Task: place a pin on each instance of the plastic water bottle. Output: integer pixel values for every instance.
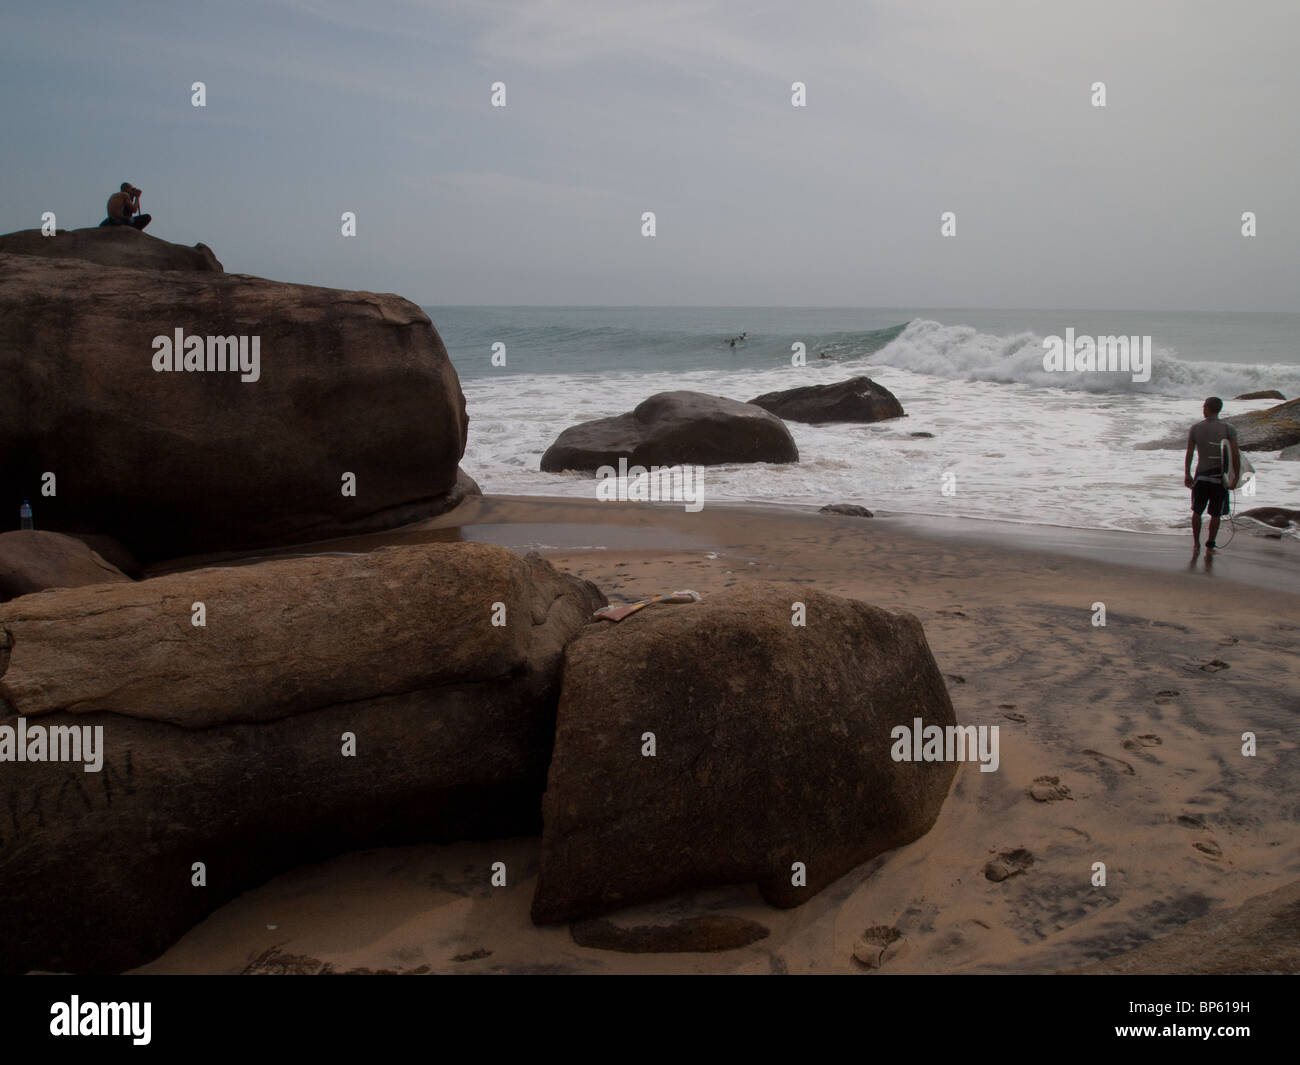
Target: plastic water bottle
(25, 516)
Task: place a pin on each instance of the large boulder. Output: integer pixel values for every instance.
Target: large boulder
(674, 428)
(772, 746)
(227, 744)
(1268, 393)
(1258, 430)
(178, 463)
(1268, 430)
(32, 561)
(112, 246)
(859, 399)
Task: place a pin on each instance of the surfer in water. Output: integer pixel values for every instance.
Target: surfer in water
(1209, 486)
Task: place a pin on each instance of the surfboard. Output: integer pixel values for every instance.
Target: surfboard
(617, 612)
(1225, 460)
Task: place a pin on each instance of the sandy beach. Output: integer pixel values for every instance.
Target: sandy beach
(1120, 745)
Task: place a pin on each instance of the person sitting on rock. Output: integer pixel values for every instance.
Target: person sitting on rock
(124, 208)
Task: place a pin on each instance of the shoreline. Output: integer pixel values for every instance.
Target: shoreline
(562, 524)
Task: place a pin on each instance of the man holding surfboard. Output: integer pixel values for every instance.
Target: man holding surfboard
(1218, 466)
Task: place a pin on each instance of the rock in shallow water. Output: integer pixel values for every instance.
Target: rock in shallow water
(674, 428)
(1262, 430)
(1277, 517)
(859, 399)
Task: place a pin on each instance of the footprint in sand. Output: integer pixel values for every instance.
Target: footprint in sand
(1008, 864)
(1169, 693)
(1048, 789)
(1139, 744)
(1214, 665)
(1128, 768)
(956, 678)
(1190, 822)
(1227, 641)
(1209, 848)
(1009, 712)
(877, 945)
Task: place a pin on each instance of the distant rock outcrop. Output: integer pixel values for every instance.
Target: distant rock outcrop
(32, 561)
(782, 756)
(350, 419)
(328, 704)
(1268, 430)
(859, 399)
(1260, 430)
(674, 428)
(112, 246)
(1268, 393)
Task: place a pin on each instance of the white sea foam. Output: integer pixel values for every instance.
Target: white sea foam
(1021, 447)
(963, 353)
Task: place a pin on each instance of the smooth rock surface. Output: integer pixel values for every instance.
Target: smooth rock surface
(181, 463)
(117, 246)
(782, 756)
(32, 560)
(859, 399)
(674, 428)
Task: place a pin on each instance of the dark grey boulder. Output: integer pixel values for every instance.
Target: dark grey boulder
(859, 399)
(675, 428)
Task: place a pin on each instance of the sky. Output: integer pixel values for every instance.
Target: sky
(683, 108)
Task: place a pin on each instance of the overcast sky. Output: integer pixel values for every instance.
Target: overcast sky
(681, 107)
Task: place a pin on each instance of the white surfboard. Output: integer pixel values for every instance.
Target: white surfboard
(1225, 458)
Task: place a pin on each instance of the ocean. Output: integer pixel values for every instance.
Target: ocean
(1022, 444)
